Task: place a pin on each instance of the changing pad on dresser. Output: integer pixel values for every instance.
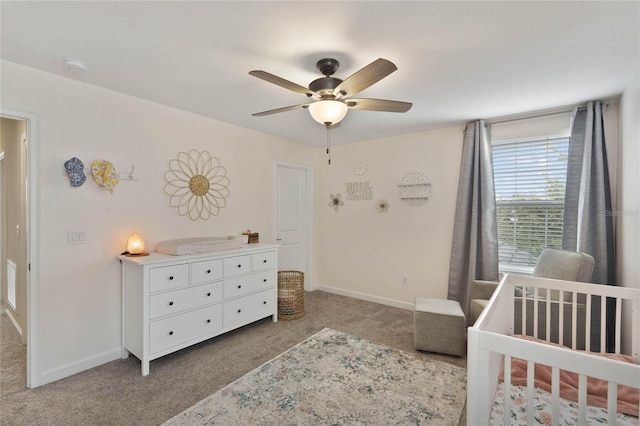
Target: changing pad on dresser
(196, 245)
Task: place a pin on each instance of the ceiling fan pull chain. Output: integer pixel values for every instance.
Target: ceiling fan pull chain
(328, 144)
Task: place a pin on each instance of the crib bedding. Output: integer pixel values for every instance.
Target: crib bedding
(568, 410)
(596, 389)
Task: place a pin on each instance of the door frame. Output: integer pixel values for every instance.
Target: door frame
(33, 237)
(309, 220)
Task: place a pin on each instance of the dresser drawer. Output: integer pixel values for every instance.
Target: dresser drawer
(176, 330)
(252, 307)
(168, 277)
(263, 261)
(235, 287)
(206, 271)
(237, 265)
(172, 302)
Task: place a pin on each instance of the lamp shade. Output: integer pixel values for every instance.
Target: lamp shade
(135, 244)
(328, 112)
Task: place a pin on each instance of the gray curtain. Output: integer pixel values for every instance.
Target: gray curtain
(588, 214)
(474, 250)
(588, 221)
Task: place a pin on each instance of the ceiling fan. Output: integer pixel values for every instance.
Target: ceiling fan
(332, 96)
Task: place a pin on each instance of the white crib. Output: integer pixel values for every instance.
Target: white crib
(555, 311)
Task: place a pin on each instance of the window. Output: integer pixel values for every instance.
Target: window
(530, 177)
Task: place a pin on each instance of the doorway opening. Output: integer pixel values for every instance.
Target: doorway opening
(19, 206)
(13, 213)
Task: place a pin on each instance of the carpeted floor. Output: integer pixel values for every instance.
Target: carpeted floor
(116, 393)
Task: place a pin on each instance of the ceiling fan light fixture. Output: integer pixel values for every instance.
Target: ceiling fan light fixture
(328, 112)
(334, 96)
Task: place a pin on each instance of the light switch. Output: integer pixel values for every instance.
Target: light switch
(76, 236)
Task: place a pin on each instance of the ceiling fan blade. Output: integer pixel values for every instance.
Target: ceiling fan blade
(277, 110)
(379, 105)
(281, 82)
(367, 76)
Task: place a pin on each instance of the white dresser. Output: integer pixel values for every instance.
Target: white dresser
(171, 302)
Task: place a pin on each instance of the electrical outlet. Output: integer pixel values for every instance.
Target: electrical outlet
(405, 279)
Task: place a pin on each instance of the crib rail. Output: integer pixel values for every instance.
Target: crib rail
(557, 312)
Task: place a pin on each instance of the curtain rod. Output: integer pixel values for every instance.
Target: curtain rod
(542, 113)
(525, 116)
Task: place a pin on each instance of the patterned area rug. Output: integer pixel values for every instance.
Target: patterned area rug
(334, 378)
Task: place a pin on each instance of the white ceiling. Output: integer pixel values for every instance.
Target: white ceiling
(457, 61)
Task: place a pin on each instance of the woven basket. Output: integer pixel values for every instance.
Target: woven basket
(290, 295)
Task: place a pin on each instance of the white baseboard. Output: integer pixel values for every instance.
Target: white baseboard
(77, 367)
(13, 321)
(367, 297)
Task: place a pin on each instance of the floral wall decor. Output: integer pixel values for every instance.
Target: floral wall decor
(382, 206)
(197, 185)
(336, 202)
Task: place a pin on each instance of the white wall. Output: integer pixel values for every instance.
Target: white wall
(79, 293)
(628, 194)
(364, 253)
(628, 201)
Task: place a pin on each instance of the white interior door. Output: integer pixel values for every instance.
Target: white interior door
(292, 219)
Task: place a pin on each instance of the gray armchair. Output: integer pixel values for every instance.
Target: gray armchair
(552, 263)
(481, 292)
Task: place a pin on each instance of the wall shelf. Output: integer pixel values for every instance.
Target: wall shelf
(415, 188)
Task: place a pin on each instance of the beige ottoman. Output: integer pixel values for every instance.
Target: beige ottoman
(439, 326)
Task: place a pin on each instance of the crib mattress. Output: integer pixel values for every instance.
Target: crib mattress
(542, 405)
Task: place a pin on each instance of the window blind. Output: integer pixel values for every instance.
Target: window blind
(530, 177)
